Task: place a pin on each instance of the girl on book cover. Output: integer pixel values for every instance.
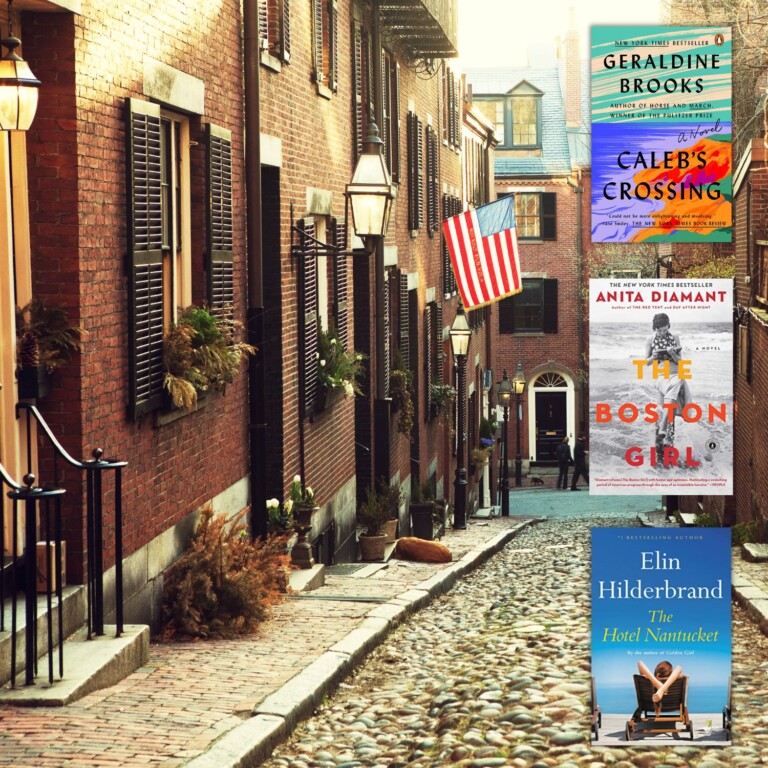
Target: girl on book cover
(662, 345)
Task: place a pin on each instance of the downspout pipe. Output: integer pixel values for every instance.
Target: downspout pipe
(579, 190)
(255, 311)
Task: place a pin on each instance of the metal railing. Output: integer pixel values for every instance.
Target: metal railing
(94, 469)
(32, 499)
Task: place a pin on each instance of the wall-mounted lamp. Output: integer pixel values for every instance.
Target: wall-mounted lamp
(18, 86)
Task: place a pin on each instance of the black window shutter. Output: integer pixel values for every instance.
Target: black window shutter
(549, 216)
(447, 269)
(317, 40)
(507, 315)
(219, 226)
(145, 278)
(549, 310)
(413, 179)
(357, 75)
(333, 13)
(404, 319)
(309, 325)
(419, 173)
(285, 32)
(433, 214)
(387, 335)
(395, 119)
(437, 330)
(263, 24)
(456, 113)
(386, 123)
(429, 359)
(340, 284)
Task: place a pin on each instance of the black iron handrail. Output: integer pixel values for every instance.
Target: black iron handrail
(93, 469)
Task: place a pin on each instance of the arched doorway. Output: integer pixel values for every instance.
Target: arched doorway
(551, 413)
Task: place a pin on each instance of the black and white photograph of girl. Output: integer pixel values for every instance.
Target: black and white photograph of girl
(661, 386)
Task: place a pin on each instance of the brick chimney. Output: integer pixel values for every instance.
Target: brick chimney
(572, 73)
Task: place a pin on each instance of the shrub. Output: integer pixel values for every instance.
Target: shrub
(224, 584)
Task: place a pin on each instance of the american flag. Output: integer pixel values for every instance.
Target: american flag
(483, 247)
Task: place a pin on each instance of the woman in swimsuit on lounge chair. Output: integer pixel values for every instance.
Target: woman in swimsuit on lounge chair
(662, 677)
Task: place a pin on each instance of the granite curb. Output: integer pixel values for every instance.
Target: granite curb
(275, 717)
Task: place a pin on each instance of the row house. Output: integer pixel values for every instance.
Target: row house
(541, 121)
(131, 198)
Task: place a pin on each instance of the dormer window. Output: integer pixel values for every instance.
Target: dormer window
(516, 116)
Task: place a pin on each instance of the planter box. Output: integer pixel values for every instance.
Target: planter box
(34, 383)
(421, 520)
(327, 398)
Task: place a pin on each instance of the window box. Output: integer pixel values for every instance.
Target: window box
(34, 382)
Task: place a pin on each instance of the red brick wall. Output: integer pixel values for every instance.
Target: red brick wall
(554, 259)
(89, 64)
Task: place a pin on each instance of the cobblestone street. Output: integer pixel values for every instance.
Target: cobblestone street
(496, 673)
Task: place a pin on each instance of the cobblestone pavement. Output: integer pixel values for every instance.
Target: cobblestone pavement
(496, 673)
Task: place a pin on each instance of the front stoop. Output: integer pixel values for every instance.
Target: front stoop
(89, 665)
(73, 617)
(307, 579)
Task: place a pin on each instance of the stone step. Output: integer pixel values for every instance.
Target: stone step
(89, 665)
(74, 617)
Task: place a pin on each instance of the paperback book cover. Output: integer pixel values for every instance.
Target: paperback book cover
(661, 134)
(661, 386)
(661, 636)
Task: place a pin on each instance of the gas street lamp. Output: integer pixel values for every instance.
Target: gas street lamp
(18, 86)
(504, 396)
(460, 334)
(519, 386)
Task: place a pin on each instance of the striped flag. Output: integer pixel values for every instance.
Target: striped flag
(483, 247)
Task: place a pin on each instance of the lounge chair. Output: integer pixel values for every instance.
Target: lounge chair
(727, 713)
(663, 716)
(597, 715)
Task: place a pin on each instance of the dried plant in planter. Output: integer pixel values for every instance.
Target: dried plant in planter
(45, 336)
(225, 584)
(200, 354)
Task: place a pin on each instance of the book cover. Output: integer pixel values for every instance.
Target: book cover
(661, 134)
(661, 636)
(661, 386)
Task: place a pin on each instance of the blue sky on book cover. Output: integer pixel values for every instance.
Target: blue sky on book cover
(661, 134)
(661, 594)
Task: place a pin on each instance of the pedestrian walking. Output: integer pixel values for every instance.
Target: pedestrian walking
(563, 455)
(579, 462)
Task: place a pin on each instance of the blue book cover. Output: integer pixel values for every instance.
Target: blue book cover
(661, 636)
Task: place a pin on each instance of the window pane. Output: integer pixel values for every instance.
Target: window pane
(524, 121)
(528, 215)
(528, 306)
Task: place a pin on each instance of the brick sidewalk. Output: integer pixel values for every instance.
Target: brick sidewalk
(189, 694)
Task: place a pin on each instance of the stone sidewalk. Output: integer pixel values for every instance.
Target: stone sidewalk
(227, 702)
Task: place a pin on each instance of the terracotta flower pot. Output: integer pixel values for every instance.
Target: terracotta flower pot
(390, 530)
(372, 547)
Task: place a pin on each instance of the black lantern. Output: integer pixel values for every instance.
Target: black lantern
(18, 86)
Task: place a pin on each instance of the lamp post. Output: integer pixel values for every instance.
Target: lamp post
(460, 334)
(504, 396)
(18, 86)
(519, 385)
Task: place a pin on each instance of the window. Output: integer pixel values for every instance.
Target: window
(761, 278)
(415, 172)
(451, 207)
(525, 123)
(535, 215)
(325, 39)
(493, 109)
(275, 28)
(160, 235)
(433, 352)
(532, 310)
(451, 117)
(390, 129)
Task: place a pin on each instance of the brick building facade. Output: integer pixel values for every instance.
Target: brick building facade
(542, 124)
(134, 175)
